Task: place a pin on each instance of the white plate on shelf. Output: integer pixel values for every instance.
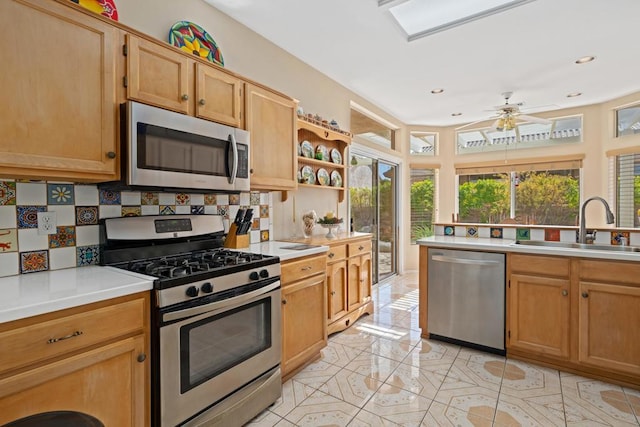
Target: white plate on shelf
(308, 177)
(307, 149)
(336, 179)
(336, 157)
(323, 177)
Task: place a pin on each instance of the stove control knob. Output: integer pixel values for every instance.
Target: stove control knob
(192, 291)
(206, 287)
(254, 275)
(264, 274)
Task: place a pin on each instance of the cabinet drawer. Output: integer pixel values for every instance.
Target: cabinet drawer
(360, 247)
(305, 267)
(540, 265)
(38, 341)
(336, 253)
(610, 272)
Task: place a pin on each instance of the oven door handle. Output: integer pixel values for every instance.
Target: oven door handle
(234, 167)
(219, 306)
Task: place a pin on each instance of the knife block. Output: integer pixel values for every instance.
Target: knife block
(236, 241)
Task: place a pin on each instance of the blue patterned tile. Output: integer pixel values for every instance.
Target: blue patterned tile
(86, 215)
(449, 231)
(472, 231)
(28, 215)
(87, 255)
(108, 197)
(60, 194)
(197, 209)
(31, 262)
(224, 211)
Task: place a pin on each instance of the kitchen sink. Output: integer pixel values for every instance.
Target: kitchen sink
(300, 247)
(578, 246)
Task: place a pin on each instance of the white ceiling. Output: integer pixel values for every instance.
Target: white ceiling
(530, 50)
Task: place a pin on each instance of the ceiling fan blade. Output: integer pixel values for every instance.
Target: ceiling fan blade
(533, 119)
(470, 124)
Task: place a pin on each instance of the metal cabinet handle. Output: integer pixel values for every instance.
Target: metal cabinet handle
(306, 268)
(565, 292)
(66, 337)
(202, 101)
(142, 357)
(331, 255)
(111, 154)
(360, 248)
(284, 301)
(585, 295)
(185, 97)
(333, 292)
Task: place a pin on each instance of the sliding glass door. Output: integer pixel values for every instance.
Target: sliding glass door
(373, 200)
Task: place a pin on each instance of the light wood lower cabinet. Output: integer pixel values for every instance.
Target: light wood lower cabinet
(337, 288)
(84, 359)
(304, 312)
(58, 117)
(578, 314)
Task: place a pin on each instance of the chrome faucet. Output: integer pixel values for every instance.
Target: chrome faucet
(582, 236)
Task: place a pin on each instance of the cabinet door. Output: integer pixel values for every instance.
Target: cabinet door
(337, 286)
(609, 326)
(538, 317)
(107, 383)
(271, 119)
(58, 115)
(304, 321)
(354, 282)
(365, 278)
(159, 76)
(218, 96)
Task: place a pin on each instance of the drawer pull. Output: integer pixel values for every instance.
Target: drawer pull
(185, 97)
(360, 247)
(142, 357)
(331, 255)
(66, 337)
(284, 301)
(585, 295)
(306, 268)
(565, 292)
(202, 102)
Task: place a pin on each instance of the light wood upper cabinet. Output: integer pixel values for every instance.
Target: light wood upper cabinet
(271, 119)
(219, 96)
(159, 76)
(58, 117)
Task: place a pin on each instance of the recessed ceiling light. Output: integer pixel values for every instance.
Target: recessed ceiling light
(585, 59)
(574, 94)
(439, 90)
(456, 114)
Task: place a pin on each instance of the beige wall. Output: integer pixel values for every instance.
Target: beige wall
(249, 54)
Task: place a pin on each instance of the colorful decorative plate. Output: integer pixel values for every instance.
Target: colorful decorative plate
(322, 153)
(336, 157)
(308, 176)
(192, 38)
(307, 149)
(323, 177)
(336, 179)
(103, 7)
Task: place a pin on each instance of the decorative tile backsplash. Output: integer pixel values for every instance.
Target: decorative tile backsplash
(78, 209)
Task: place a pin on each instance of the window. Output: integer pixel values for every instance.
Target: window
(628, 121)
(422, 202)
(372, 131)
(423, 143)
(524, 135)
(546, 194)
(628, 190)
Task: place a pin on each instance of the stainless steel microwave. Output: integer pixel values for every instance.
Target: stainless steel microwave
(174, 151)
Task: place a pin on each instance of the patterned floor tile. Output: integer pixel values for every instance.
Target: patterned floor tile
(390, 349)
(321, 409)
(317, 373)
(353, 337)
(633, 397)
(443, 415)
(422, 382)
(533, 412)
(367, 419)
(351, 387)
(522, 379)
(338, 354)
(398, 405)
(266, 419)
(428, 352)
(373, 366)
(293, 393)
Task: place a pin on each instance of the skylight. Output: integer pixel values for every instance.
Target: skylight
(420, 18)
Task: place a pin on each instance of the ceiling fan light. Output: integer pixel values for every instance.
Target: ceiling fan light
(500, 125)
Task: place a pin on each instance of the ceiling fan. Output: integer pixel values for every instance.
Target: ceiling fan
(507, 115)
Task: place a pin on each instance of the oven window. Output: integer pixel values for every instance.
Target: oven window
(165, 149)
(215, 344)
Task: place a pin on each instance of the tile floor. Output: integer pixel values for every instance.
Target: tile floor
(380, 372)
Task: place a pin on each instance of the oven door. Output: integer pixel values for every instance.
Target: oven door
(208, 352)
(167, 149)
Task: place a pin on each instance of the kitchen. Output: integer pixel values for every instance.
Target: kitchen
(283, 213)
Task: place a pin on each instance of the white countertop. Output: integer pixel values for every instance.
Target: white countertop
(508, 245)
(27, 295)
(277, 248)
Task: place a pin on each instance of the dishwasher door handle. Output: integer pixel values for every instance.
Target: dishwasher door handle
(453, 260)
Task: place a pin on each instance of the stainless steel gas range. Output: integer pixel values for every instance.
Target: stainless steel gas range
(216, 330)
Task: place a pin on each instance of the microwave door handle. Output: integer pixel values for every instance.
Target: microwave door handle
(234, 166)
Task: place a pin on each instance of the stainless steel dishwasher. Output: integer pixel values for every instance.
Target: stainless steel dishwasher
(466, 298)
